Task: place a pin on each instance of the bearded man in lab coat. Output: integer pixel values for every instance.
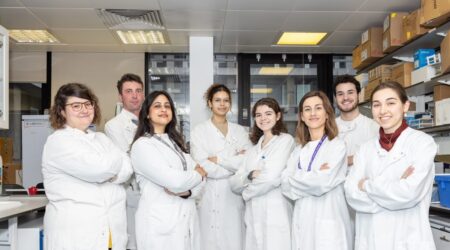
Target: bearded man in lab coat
(121, 130)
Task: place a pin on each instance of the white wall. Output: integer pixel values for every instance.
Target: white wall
(28, 67)
(100, 71)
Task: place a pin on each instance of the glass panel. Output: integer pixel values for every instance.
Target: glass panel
(225, 72)
(170, 72)
(287, 83)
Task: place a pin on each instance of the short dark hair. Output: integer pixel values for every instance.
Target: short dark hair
(129, 77)
(395, 86)
(213, 89)
(145, 126)
(331, 128)
(279, 125)
(57, 120)
(344, 79)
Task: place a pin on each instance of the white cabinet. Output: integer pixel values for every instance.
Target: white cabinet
(4, 82)
(441, 238)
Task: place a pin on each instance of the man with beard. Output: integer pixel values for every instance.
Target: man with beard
(354, 128)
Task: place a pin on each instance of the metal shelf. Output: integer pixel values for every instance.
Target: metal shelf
(435, 129)
(424, 88)
(432, 39)
(439, 208)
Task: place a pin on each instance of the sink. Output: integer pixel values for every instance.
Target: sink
(5, 205)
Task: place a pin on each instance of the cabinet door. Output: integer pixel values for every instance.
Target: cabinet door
(4, 82)
(441, 239)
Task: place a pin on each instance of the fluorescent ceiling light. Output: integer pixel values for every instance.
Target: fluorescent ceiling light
(301, 38)
(141, 37)
(261, 90)
(32, 36)
(284, 71)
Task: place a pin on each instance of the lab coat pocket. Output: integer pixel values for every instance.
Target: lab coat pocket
(330, 235)
(162, 219)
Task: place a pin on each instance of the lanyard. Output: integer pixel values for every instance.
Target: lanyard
(314, 154)
(175, 148)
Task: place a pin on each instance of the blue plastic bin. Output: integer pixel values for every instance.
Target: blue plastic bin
(443, 182)
(420, 57)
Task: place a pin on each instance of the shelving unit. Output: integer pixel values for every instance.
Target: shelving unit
(424, 88)
(439, 208)
(431, 39)
(436, 129)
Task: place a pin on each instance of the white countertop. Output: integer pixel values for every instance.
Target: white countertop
(12, 206)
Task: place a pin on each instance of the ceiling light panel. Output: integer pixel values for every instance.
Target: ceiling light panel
(301, 38)
(141, 37)
(32, 36)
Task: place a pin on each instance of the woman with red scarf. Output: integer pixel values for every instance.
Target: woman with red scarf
(391, 182)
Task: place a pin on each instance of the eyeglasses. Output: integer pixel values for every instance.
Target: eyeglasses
(77, 106)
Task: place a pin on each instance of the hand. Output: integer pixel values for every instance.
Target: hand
(213, 159)
(255, 173)
(350, 160)
(241, 152)
(113, 179)
(201, 171)
(176, 194)
(408, 172)
(361, 184)
(324, 167)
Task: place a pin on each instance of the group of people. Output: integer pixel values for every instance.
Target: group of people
(342, 183)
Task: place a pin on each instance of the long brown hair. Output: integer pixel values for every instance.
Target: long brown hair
(279, 125)
(331, 130)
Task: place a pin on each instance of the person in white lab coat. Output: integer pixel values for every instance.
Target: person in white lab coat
(121, 129)
(83, 172)
(168, 178)
(219, 146)
(268, 213)
(314, 179)
(354, 127)
(391, 181)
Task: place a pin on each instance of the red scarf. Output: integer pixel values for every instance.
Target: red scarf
(387, 141)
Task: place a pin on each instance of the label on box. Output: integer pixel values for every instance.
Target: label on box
(364, 55)
(365, 36)
(386, 23)
(385, 43)
(442, 111)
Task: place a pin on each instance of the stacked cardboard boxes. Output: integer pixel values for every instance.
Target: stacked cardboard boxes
(377, 75)
(401, 73)
(411, 26)
(445, 54)
(370, 48)
(435, 12)
(441, 96)
(393, 31)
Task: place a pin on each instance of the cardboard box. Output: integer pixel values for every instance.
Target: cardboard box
(372, 47)
(423, 74)
(356, 57)
(384, 71)
(6, 149)
(370, 88)
(434, 9)
(442, 112)
(440, 92)
(445, 54)
(401, 73)
(411, 26)
(393, 31)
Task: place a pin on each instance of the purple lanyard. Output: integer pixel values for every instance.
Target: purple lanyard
(314, 154)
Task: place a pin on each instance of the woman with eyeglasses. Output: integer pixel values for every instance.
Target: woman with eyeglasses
(83, 171)
(168, 178)
(391, 182)
(314, 179)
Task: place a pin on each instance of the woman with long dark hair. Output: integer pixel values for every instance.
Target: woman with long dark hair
(169, 179)
(314, 179)
(267, 212)
(391, 182)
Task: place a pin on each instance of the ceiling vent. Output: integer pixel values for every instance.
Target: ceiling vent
(123, 19)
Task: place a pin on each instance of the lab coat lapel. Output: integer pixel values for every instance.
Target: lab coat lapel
(396, 153)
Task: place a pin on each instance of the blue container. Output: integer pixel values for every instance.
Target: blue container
(443, 182)
(420, 57)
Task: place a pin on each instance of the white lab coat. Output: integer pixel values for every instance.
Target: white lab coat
(121, 130)
(268, 213)
(221, 212)
(321, 218)
(84, 206)
(165, 221)
(356, 132)
(393, 213)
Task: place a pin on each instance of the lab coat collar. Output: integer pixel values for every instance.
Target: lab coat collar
(217, 130)
(350, 125)
(89, 133)
(128, 114)
(397, 152)
(259, 145)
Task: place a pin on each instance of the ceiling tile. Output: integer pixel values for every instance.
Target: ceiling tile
(181, 37)
(193, 5)
(69, 18)
(209, 20)
(73, 36)
(361, 21)
(269, 5)
(8, 19)
(314, 21)
(168, 49)
(10, 3)
(57, 4)
(389, 5)
(254, 20)
(327, 5)
(343, 38)
(249, 37)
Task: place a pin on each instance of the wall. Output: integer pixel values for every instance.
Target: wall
(100, 71)
(27, 67)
